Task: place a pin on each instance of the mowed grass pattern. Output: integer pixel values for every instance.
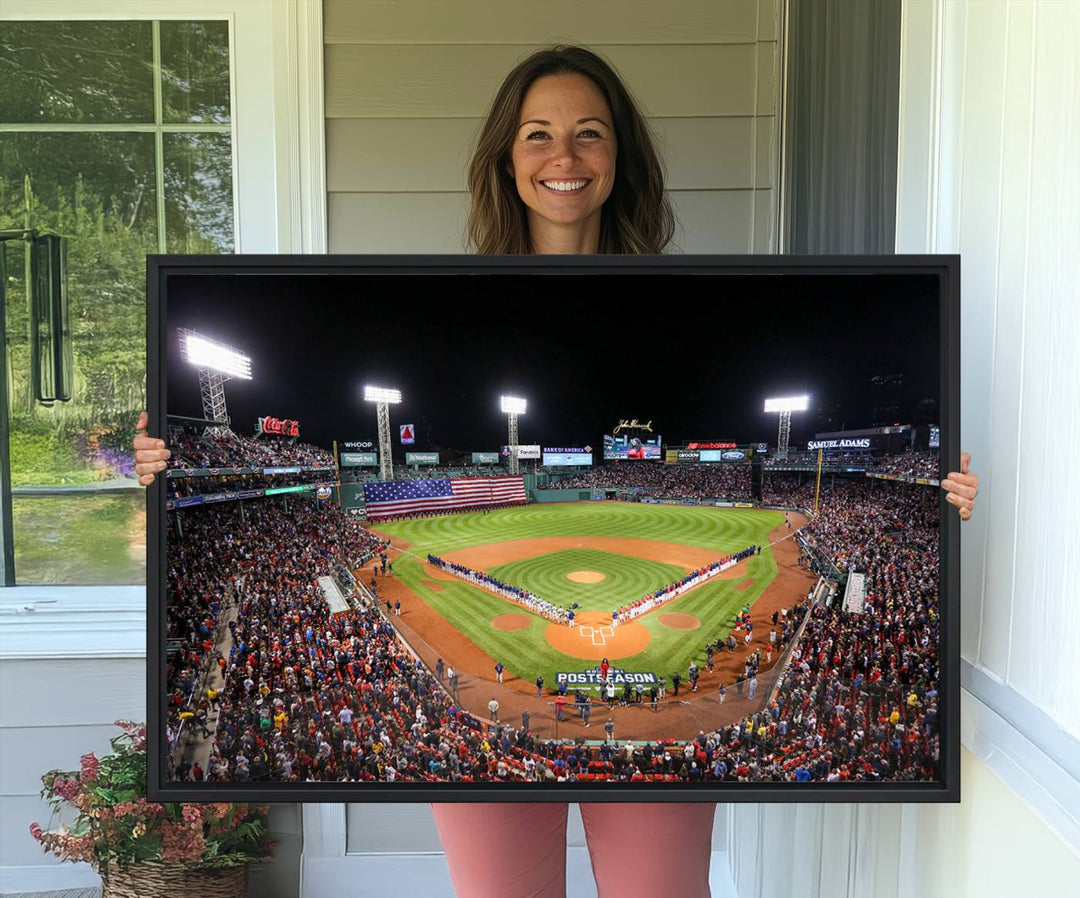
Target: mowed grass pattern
(547, 576)
(526, 653)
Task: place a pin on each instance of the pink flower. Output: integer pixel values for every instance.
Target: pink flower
(181, 842)
(221, 809)
(36, 832)
(65, 788)
(89, 768)
(192, 813)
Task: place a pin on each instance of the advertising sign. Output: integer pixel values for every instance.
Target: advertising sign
(323, 492)
(356, 445)
(408, 434)
(359, 459)
(485, 458)
(528, 453)
(277, 427)
(859, 443)
(292, 470)
(723, 455)
(563, 457)
(421, 458)
(689, 456)
(712, 445)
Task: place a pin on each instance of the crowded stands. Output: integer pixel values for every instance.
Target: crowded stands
(230, 450)
(310, 696)
(729, 481)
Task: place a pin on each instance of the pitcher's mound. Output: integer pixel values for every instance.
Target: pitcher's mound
(512, 621)
(586, 576)
(679, 621)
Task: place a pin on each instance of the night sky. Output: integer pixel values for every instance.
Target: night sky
(696, 354)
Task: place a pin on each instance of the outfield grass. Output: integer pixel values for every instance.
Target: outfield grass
(526, 653)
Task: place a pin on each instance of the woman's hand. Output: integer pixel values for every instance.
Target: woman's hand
(962, 487)
(150, 453)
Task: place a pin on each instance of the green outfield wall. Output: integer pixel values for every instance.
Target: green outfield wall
(560, 495)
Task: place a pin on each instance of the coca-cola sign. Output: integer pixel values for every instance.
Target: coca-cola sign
(281, 427)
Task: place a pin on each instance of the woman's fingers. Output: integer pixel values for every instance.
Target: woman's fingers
(150, 452)
(961, 487)
(965, 485)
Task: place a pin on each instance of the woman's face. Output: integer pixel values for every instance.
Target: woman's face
(563, 154)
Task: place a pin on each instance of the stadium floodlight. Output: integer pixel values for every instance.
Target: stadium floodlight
(378, 394)
(512, 406)
(383, 399)
(788, 404)
(216, 364)
(205, 353)
(785, 406)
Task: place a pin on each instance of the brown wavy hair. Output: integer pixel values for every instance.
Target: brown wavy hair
(637, 216)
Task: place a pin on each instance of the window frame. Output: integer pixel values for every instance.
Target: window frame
(276, 95)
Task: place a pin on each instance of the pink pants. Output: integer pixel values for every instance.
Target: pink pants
(519, 850)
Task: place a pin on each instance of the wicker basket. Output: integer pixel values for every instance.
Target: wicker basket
(174, 881)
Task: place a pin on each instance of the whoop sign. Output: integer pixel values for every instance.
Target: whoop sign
(281, 427)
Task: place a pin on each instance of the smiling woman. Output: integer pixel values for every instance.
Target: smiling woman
(565, 163)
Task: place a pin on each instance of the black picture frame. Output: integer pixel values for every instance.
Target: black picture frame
(945, 268)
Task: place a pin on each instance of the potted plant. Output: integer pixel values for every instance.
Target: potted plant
(144, 848)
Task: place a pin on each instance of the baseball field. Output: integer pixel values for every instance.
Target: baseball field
(601, 555)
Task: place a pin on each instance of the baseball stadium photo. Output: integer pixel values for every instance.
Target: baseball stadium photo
(516, 531)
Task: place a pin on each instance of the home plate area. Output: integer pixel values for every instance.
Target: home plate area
(593, 637)
(598, 635)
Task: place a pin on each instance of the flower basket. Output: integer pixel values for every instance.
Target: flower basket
(173, 881)
(142, 848)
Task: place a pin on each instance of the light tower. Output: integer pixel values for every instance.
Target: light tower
(216, 364)
(383, 399)
(513, 406)
(785, 407)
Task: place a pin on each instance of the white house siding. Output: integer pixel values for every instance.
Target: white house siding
(408, 83)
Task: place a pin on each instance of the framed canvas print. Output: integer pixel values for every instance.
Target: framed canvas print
(554, 528)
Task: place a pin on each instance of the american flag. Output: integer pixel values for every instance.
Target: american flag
(398, 497)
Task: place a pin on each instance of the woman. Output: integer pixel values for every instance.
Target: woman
(565, 164)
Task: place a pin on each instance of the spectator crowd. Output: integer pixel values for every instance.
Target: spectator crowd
(314, 696)
(730, 481)
(230, 450)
